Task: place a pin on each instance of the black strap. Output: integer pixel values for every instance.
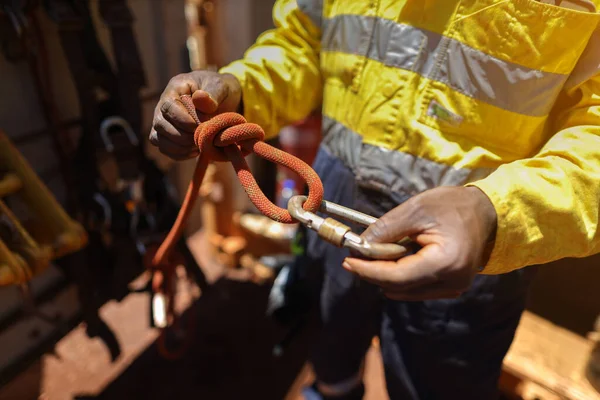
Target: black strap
(130, 72)
(73, 34)
(91, 71)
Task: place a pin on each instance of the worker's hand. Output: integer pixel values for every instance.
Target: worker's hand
(173, 127)
(454, 227)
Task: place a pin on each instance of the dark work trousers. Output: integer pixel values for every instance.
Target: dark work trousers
(437, 349)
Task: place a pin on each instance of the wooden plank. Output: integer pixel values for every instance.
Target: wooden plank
(551, 357)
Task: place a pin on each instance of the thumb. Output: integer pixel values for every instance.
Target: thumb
(204, 102)
(393, 226)
(211, 94)
(408, 272)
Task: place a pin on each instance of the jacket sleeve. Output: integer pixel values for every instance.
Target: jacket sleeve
(548, 205)
(280, 73)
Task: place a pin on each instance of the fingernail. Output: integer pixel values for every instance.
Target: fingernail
(211, 98)
(346, 265)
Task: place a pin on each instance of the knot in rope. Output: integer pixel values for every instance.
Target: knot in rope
(229, 137)
(227, 129)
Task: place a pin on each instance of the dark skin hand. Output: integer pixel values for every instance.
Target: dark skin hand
(173, 128)
(455, 227)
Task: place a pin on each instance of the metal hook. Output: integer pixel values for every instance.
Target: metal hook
(106, 208)
(340, 234)
(108, 123)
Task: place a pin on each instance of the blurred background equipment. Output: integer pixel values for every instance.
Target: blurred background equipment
(79, 82)
(34, 228)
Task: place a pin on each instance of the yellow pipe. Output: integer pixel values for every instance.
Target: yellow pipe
(10, 184)
(49, 235)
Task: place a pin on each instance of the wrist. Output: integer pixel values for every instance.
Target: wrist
(486, 212)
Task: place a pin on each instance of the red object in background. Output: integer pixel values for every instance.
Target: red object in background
(301, 140)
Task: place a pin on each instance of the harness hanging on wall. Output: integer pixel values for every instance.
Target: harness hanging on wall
(121, 197)
(127, 202)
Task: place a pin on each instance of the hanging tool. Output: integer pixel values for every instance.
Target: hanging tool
(125, 201)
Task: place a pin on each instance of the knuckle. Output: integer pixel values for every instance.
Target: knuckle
(153, 138)
(161, 125)
(181, 83)
(218, 80)
(165, 106)
(179, 79)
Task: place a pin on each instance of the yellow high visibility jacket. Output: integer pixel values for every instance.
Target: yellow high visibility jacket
(500, 94)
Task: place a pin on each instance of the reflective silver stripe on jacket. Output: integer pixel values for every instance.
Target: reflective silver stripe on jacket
(588, 64)
(313, 9)
(469, 71)
(389, 170)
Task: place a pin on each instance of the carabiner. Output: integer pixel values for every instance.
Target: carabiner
(120, 122)
(341, 235)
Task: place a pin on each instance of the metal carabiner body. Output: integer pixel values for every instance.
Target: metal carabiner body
(340, 234)
(120, 122)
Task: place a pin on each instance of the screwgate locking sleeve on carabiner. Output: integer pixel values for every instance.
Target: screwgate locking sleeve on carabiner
(341, 235)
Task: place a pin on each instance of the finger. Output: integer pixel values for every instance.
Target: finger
(396, 224)
(212, 93)
(414, 270)
(204, 102)
(166, 129)
(153, 137)
(172, 149)
(174, 112)
(378, 281)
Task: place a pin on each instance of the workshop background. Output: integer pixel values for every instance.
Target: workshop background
(49, 351)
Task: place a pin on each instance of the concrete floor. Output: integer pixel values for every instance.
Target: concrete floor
(230, 358)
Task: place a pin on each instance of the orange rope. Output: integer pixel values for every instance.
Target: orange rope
(229, 137)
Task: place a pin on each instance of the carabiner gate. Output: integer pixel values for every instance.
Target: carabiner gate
(340, 234)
